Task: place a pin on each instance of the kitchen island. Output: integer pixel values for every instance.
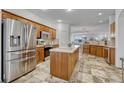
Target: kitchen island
(63, 61)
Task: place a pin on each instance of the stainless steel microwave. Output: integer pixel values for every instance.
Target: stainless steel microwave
(45, 35)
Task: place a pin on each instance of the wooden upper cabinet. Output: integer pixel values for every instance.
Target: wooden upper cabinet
(8, 15)
(42, 28)
(53, 34)
(46, 29)
(112, 56)
(38, 32)
(13, 16)
(50, 31)
(113, 27)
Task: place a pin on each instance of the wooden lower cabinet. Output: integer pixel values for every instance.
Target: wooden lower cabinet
(93, 50)
(100, 51)
(86, 49)
(112, 56)
(62, 64)
(105, 53)
(39, 54)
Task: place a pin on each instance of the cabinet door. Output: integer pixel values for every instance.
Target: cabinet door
(50, 31)
(63, 66)
(86, 49)
(38, 34)
(93, 50)
(38, 31)
(46, 29)
(42, 54)
(112, 26)
(105, 53)
(53, 64)
(112, 56)
(99, 51)
(53, 34)
(37, 55)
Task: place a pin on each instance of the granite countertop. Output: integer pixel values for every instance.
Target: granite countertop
(95, 44)
(44, 45)
(109, 46)
(40, 46)
(65, 49)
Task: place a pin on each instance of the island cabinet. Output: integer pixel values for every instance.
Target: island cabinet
(62, 64)
(39, 54)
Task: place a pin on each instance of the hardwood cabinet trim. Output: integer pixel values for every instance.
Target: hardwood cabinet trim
(24, 18)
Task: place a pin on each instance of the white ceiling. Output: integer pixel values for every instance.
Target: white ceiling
(80, 17)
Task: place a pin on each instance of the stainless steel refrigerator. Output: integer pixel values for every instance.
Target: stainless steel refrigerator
(18, 49)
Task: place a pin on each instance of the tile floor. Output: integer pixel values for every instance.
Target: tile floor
(89, 69)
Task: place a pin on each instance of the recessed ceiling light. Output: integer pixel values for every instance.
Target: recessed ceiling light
(69, 9)
(99, 13)
(59, 21)
(100, 21)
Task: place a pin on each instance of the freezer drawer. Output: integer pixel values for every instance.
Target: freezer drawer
(30, 64)
(17, 68)
(26, 65)
(12, 55)
(12, 71)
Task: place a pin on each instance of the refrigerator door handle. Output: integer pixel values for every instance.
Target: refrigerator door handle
(25, 36)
